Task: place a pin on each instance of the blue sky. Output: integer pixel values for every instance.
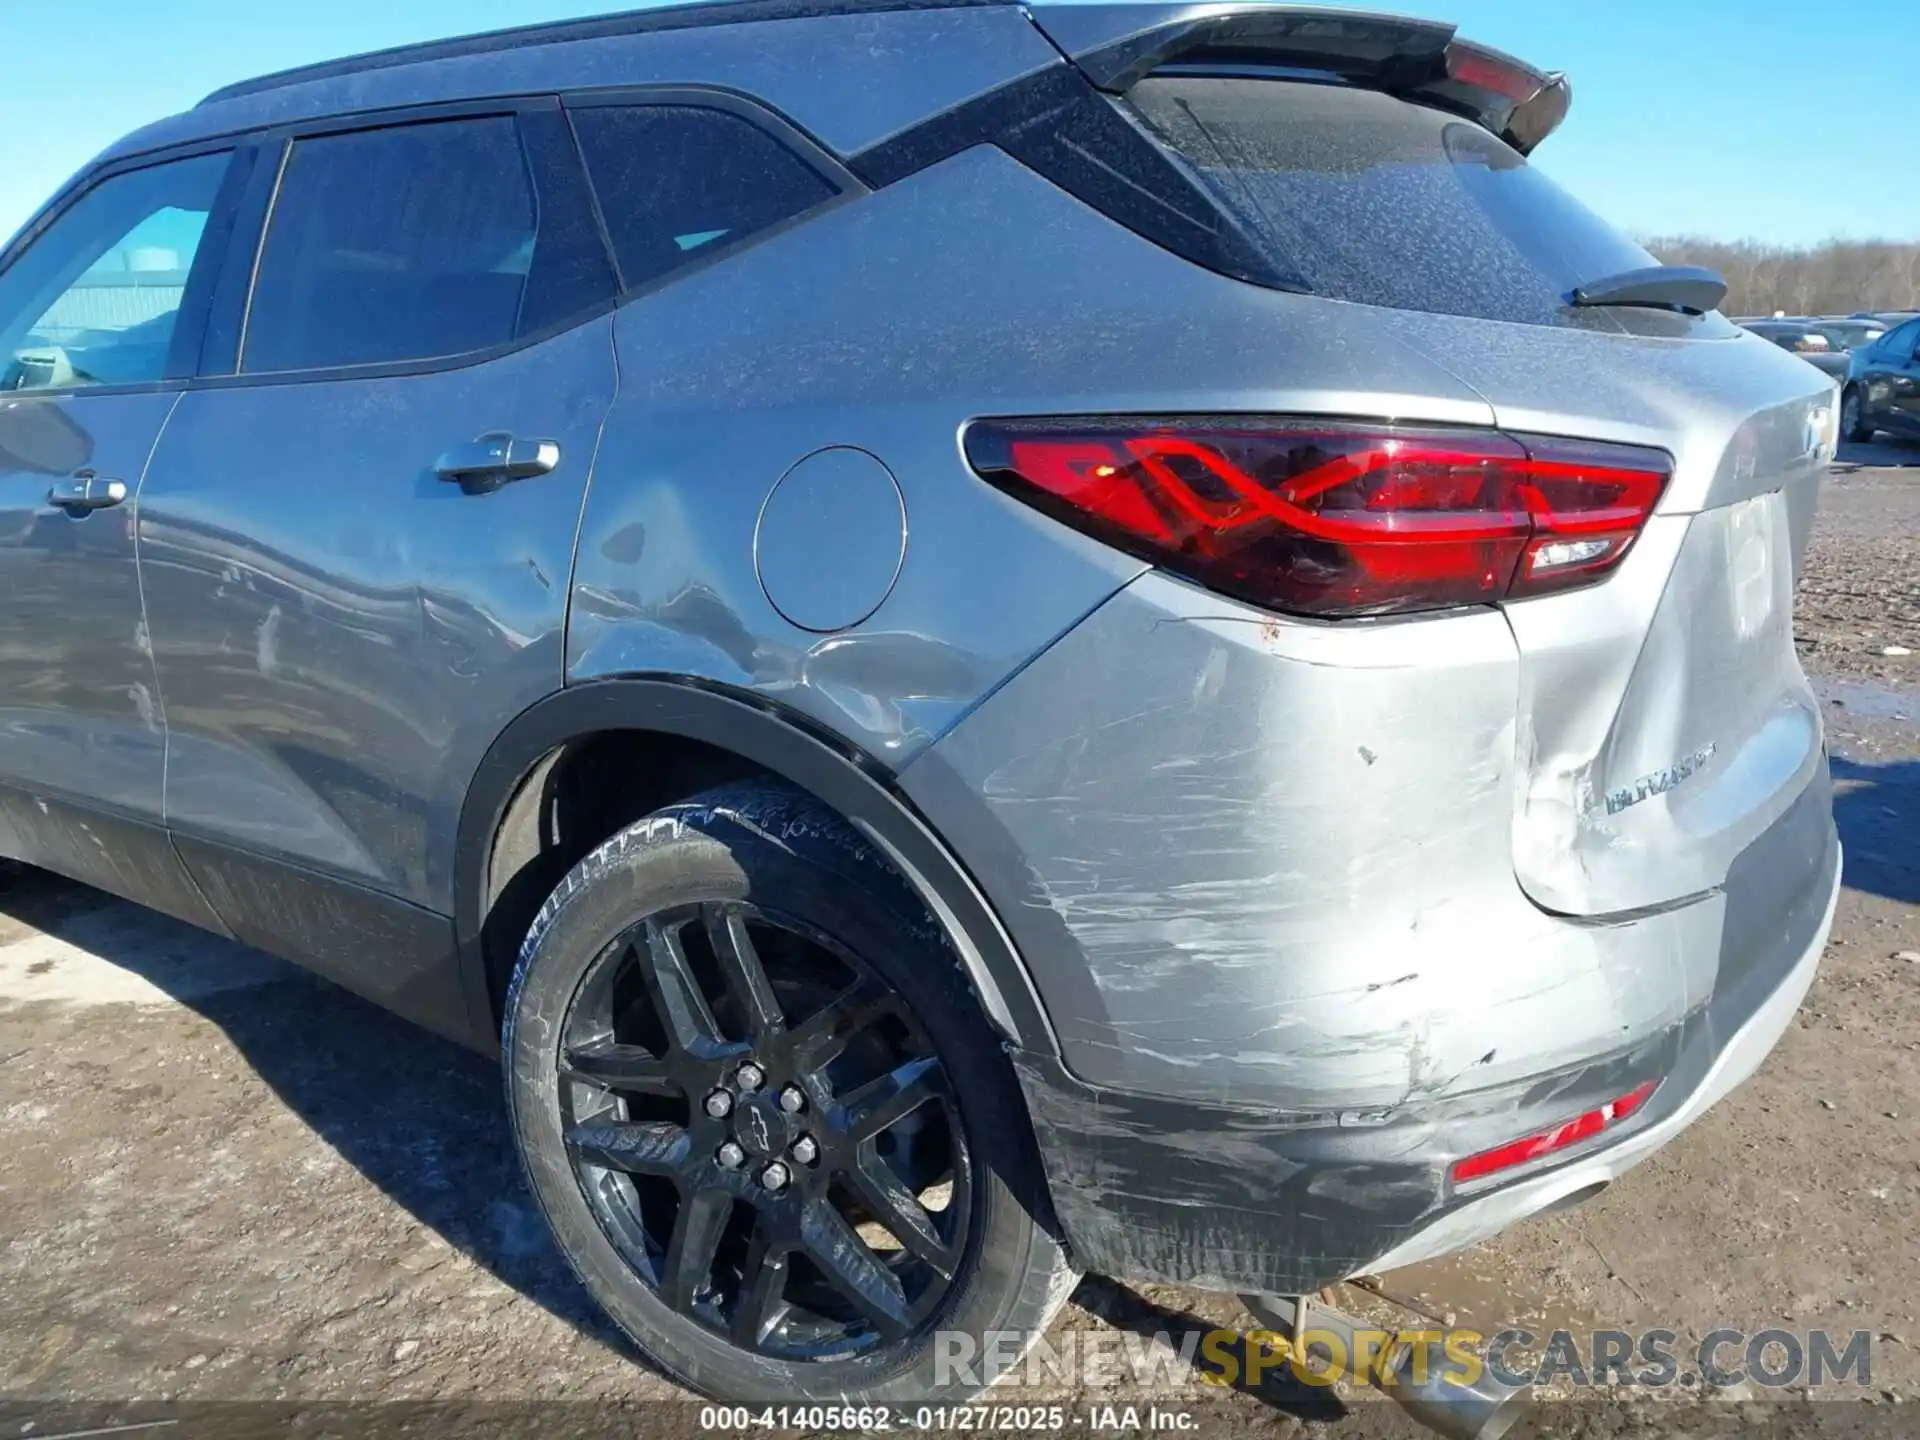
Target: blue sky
(1688, 115)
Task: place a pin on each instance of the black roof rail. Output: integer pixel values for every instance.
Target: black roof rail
(626, 22)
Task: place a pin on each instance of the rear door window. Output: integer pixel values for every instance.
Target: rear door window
(408, 243)
(1374, 199)
(676, 182)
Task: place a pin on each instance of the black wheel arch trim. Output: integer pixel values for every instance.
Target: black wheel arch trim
(784, 745)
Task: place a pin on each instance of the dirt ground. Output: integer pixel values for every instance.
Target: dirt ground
(223, 1181)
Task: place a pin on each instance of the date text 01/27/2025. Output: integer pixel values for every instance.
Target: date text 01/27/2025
(1039, 1419)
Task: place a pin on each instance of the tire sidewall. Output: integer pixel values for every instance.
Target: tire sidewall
(1856, 430)
(802, 862)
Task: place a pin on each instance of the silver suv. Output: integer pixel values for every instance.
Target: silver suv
(983, 640)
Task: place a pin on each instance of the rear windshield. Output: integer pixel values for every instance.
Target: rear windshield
(1852, 337)
(1373, 199)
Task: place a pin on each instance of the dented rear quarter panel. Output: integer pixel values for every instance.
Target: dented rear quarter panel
(1664, 720)
(972, 288)
(1266, 862)
(1350, 867)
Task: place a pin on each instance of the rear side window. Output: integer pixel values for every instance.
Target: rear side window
(676, 181)
(1376, 200)
(408, 243)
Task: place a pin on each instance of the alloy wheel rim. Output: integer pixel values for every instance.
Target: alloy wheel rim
(775, 1153)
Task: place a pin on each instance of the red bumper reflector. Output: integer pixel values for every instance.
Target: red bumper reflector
(1569, 1132)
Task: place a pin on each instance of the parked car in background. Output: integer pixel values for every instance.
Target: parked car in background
(1882, 388)
(1807, 340)
(1885, 317)
(1850, 334)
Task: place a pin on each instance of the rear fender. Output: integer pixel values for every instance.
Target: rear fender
(779, 743)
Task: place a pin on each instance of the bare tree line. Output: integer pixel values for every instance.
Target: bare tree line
(1834, 278)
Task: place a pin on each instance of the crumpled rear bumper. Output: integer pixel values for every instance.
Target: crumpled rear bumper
(1741, 1055)
(1240, 1199)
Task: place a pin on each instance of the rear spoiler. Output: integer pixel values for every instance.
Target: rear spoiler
(1119, 44)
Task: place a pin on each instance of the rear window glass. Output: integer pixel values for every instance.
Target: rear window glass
(389, 245)
(677, 181)
(1376, 200)
(1852, 337)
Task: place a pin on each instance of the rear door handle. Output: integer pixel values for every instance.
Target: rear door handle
(485, 464)
(86, 492)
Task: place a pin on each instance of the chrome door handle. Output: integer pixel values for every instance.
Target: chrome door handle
(86, 492)
(495, 458)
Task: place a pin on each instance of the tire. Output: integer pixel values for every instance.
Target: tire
(692, 896)
(1854, 427)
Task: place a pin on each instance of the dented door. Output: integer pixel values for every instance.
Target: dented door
(76, 686)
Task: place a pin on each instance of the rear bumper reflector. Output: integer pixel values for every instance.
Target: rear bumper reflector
(1568, 1133)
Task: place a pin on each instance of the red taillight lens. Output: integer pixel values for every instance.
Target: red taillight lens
(1571, 1132)
(1491, 71)
(1329, 519)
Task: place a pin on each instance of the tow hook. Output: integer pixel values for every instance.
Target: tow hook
(1425, 1386)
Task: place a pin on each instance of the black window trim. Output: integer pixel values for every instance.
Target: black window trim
(803, 146)
(232, 295)
(241, 270)
(1051, 120)
(209, 262)
(245, 259)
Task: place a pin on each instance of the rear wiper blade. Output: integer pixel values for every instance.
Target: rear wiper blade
(1668, 287)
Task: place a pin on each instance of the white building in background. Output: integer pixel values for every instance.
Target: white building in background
(120, 291)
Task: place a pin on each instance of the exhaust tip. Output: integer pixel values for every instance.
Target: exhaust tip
(1421, 1384)
(1572, 1199)
(1485, 1410)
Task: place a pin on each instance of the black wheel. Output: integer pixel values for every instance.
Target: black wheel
(765, 1117)
(1853, 417)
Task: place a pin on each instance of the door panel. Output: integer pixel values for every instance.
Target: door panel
(394, 953)
(356, 548)
(339, 631)
(79, 715)
(110, 851)
(96, 314)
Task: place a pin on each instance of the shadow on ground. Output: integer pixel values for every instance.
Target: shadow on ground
(1884, 452)
(420, 1117)
(424, 1119)
(1877, 808)
(1275, 1386)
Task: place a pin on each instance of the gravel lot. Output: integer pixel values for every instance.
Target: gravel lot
(224, 1181)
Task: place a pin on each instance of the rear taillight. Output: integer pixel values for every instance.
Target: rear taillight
(1560, 1137)
(1331, 519)
(1491, 71)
